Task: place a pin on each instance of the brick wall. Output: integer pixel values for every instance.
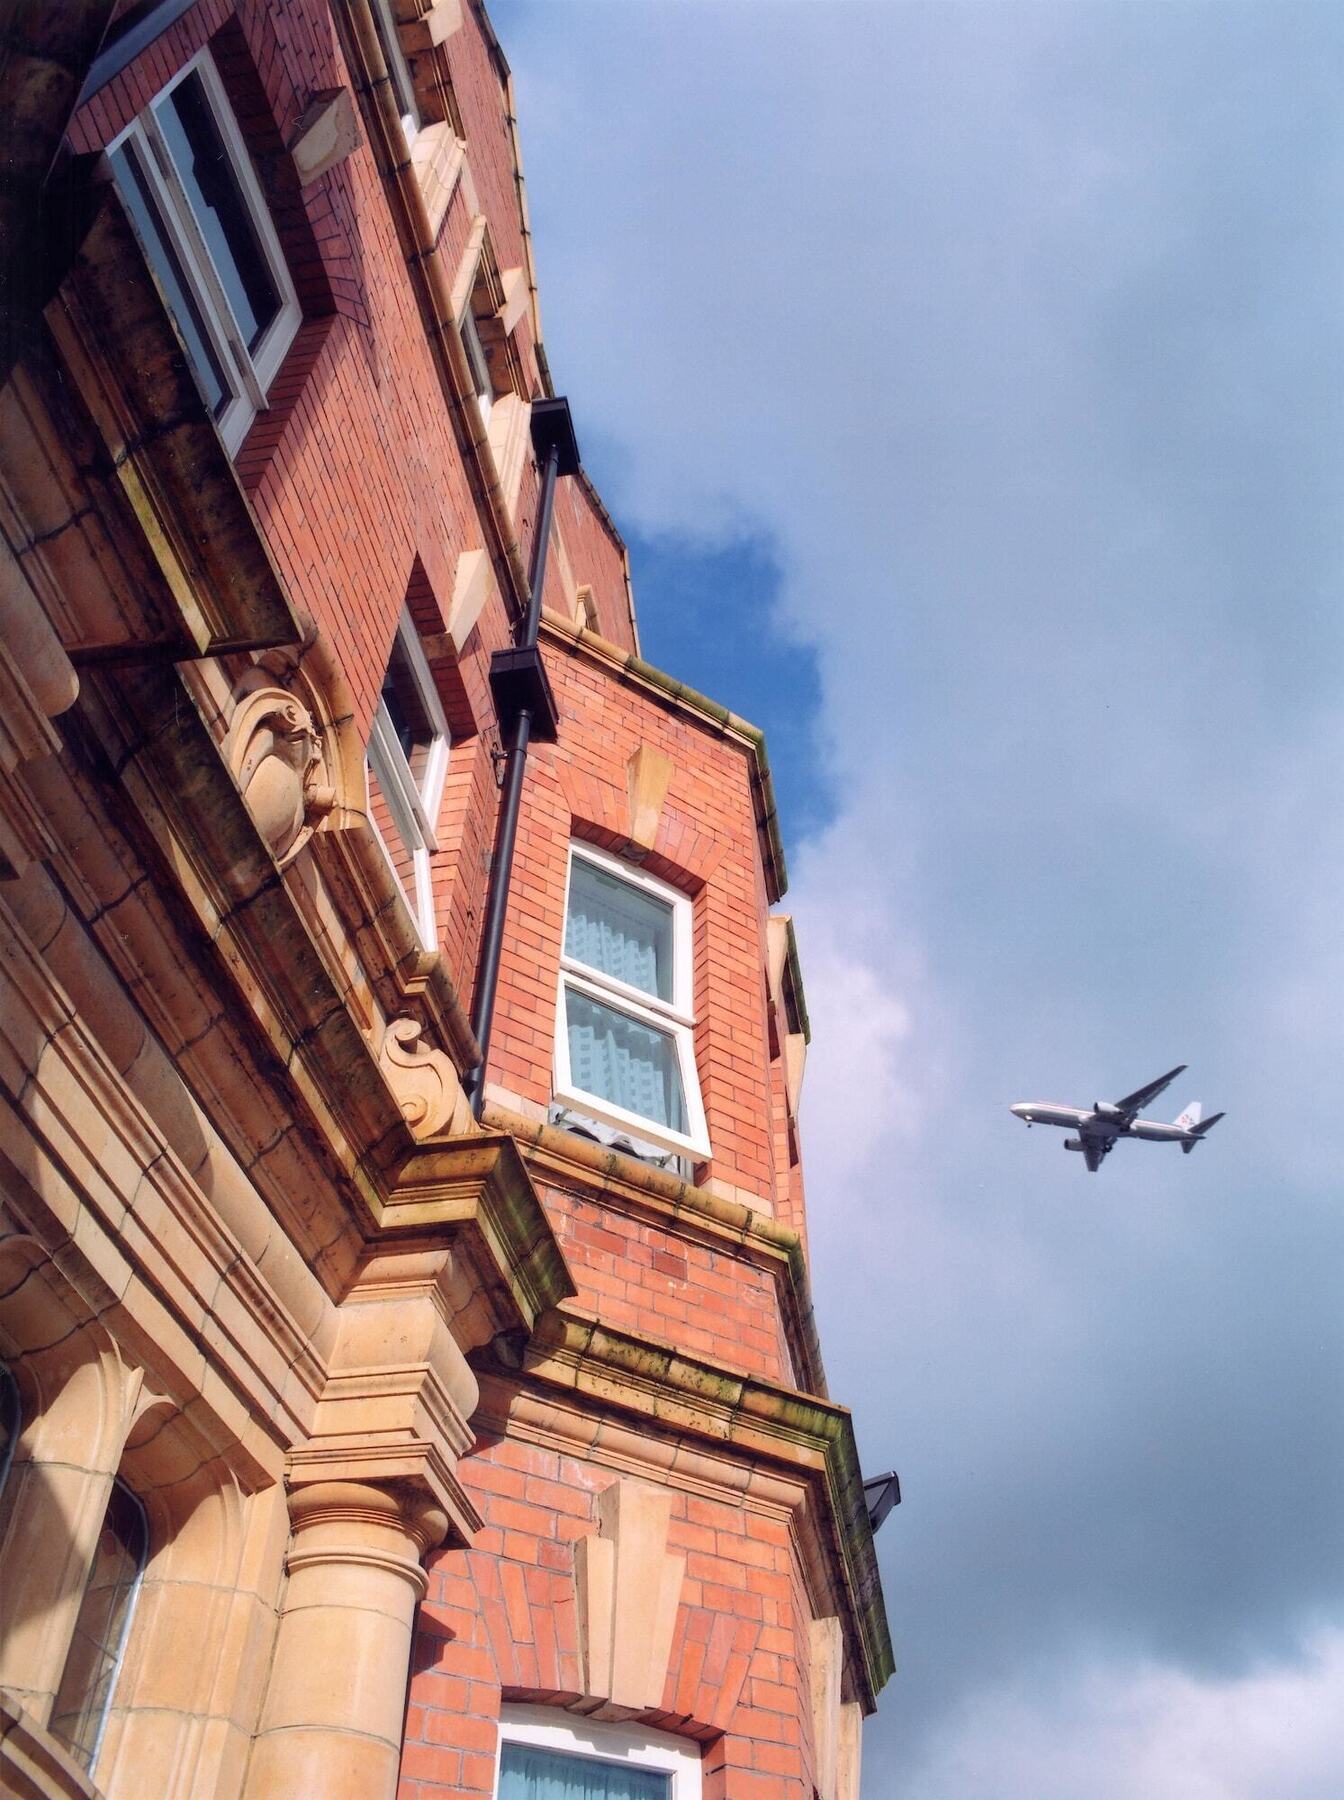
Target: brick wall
(498, 1623)
(355, 470)
(706, 846)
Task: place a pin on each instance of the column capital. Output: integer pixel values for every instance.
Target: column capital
(399, 1506)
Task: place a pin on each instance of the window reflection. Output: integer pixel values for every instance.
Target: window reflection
(90, 1674)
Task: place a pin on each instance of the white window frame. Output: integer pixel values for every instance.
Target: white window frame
(248, 374)
(674, 1018)
(547, 1729)
(398, 69)
(478, 363)
(414, 806)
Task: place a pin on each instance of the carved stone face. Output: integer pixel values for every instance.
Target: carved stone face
(274, 750)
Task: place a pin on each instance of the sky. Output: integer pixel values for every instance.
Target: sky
(967, 382)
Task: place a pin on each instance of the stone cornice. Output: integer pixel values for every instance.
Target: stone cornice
(190, 808)
(148, 1214)
(624, 665)
(758, 1428)
(476, 1186)
(476, 1190)
(683, 1210)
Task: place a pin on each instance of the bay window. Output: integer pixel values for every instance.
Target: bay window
(623, 1044)
(188, 184)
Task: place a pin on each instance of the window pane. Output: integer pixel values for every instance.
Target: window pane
(397, 831)
(527, 1773)
(414, 729)
(207, 174)
(615, 1058)
(100, 1630)
(480, 368)
(619, 929)
(390, 44)
(145, 216)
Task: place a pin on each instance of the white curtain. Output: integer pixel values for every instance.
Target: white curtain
(616, 928)
(616, 1058)
(526, 1773)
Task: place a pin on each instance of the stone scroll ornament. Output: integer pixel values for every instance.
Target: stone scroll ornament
(274, 749)
(424, 1081)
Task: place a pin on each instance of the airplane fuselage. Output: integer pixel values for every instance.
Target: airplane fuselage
(1097, 1123)
(1105, 1122)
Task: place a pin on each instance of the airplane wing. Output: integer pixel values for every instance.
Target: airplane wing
(1094, 1151)
(1133, 1104)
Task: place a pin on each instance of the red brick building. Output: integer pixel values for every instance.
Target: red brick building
(410, 1384)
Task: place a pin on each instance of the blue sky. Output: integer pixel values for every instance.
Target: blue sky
(967, 380)
(712, 620)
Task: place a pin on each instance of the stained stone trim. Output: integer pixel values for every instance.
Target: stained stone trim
(771, 1436)
(477, 1191)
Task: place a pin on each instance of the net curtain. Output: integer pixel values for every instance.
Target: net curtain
(618, 1059)
(527, 1773)
(618, 930)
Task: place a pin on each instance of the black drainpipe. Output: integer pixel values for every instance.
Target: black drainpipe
(525, 708)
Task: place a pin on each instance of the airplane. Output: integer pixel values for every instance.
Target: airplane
(1099, 1129)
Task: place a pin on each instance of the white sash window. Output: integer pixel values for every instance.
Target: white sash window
(623, 1044)
(188, 184)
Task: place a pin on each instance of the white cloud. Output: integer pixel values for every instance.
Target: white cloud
(1117, 1731)
(873, 1070)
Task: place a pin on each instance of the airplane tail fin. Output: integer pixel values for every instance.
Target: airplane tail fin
(1198, 1129)
(1190, 1118)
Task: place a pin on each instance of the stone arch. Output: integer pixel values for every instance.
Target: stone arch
(78, 1397)
(213, 1573)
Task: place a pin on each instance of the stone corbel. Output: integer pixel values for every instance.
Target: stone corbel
(438, 160)
(517, 293)
(473, 584)
(325, 135)
(628, 1589)
(425, 26)
(791, 1023)
(510, 442)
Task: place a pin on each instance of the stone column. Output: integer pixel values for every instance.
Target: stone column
(331, 1725)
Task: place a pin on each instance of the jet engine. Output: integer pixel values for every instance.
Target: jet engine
(1073, 1143)
(1104, 1109)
